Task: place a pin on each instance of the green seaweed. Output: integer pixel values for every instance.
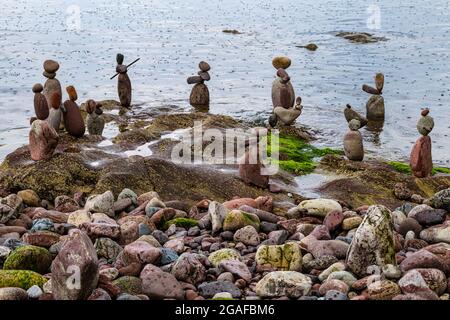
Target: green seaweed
(181, 222)
(296, 155)
(406, 169)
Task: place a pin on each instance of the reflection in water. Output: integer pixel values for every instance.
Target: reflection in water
(374, 129)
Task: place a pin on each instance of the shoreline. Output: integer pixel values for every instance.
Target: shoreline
(146, 228)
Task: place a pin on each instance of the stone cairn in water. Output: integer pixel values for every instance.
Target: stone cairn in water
(283, 95)
(353, 142)
(95, 121)
(73, 121)
(199, 97)
(375, 104)
(350, 114)
(421, 161)
(250, 167)
(123, 83)
(53, 93)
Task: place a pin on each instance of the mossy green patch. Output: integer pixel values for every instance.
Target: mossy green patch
(29, 258)
(129, 284)
(20, 279)
(296, 155)
(181, 222)
(406, 169)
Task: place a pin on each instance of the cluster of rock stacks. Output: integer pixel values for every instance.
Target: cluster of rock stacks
(51, 114)
(134, 247)
(420, 160)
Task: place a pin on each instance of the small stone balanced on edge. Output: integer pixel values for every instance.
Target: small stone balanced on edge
(40, 102)
(353, 142)
(73, 121)
(123, 82)
(283, 95)
(375, 104)
(200, 94)
(250, 165)
(95, 121)
(351, 114)
(421, 161)
(53, 93)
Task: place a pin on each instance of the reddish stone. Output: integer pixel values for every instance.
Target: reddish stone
(73, 121)
(12, 229)
(99, 230)
(77, 259)
(250, 171)
(41, 238)
(333, 220)
(43, 140)
(133, 270)
(141, 252)
(236, 203)
(165, 214)
(55, 216)
(423, 259)
(421, 161)
(264, 203)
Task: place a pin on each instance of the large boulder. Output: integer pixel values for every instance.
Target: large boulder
(284, 283)
(75, 268)
(372, 246)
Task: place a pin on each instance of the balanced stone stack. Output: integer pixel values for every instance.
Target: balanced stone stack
(375, 104)
(353, 142)
(94, 120)
(350, 114)
(53, 93)
(421, 161)
(199, 97)
(73, 121)
(40, 102)
(283, 95)
(123, 83)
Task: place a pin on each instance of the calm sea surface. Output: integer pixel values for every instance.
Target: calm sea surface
(172, 36)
